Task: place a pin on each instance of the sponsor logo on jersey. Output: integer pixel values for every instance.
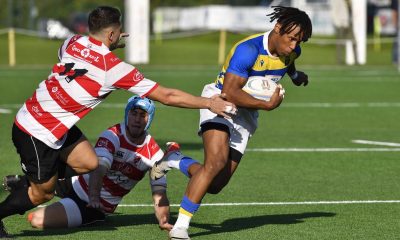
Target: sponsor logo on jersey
(138, 76)
(102, 143)
(85, 53)
(114, 59)
(36, 110)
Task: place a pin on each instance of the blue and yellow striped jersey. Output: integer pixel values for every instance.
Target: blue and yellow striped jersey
(250, 57)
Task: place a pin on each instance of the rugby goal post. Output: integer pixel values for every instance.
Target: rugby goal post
(359, 26)
(137, 24)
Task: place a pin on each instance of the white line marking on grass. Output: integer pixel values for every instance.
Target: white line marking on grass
(270, 203)
(276, 203)
(391, 144)
(323, 149)
(5, 111)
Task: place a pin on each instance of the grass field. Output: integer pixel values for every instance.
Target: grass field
(303, 176)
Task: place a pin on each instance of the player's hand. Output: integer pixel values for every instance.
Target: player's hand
(276, 99)
(121, 43)
(301, 79)
(95, 203)
(165, 226)
(221, 107)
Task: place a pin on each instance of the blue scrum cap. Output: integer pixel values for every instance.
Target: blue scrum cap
(142, 103)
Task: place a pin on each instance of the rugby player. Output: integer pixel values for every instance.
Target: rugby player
(271, 54)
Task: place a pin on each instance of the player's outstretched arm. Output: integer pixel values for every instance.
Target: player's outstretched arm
(161, 210)
(178, 98)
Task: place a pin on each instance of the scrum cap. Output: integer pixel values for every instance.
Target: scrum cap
(143, 103)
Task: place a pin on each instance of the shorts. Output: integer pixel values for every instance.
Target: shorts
(241, 126)
(76, 209)
(39, 162)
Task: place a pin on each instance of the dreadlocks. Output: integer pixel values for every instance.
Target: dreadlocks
(290, 18)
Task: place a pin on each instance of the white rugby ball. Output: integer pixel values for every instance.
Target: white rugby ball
(261, 87)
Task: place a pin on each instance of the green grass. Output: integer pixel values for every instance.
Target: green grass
(339, 105)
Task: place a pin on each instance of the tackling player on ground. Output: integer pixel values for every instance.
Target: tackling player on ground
(126, 152)
(271, 54)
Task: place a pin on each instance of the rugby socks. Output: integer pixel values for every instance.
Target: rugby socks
(184, 165)
(186, 211)
(17, 202)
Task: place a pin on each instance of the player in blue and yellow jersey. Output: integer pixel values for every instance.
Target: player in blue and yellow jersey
(271, 54)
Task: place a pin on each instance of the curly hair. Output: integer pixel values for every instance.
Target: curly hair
(290, 18)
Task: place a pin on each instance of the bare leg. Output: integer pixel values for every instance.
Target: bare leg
(221, 180)
(52, 216)
(81, 156)
(216, 152)
(42, 192)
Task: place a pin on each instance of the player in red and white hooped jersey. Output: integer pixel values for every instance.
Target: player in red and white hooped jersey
(126, 152)
(127, 164)
(44, 132)
(88, 71)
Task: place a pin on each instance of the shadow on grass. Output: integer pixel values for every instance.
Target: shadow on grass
(239, 224)
(111, 224)
(231, 225)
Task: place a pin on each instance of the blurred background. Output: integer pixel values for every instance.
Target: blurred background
(349, 32)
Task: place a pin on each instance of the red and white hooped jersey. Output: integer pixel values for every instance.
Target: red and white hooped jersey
(88, 71)
(127, 164)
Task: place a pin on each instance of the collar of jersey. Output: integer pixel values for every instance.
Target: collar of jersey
(97, 42)
(265, 42)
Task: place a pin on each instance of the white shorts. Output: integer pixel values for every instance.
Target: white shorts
(241, 127)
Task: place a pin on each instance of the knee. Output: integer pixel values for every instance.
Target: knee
(92, 165)
(88, 166)
(214, 167)
(38, 198)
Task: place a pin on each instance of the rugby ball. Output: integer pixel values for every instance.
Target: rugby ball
(261, 87)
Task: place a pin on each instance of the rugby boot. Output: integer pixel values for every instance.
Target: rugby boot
(179, 234)
(14, 182)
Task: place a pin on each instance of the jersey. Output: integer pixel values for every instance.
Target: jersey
(86, 74)
(127, 164)
(251, 57)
